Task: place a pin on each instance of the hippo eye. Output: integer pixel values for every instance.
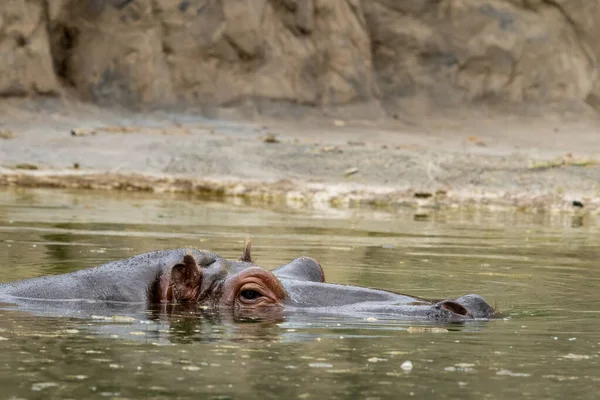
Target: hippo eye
(250, 294)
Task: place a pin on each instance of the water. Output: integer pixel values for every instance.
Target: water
(540, 269)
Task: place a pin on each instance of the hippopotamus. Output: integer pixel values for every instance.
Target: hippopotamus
(204, 279)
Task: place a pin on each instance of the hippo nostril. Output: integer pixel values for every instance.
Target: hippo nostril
(455, 308)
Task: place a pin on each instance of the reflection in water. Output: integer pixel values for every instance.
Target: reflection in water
(540, 269)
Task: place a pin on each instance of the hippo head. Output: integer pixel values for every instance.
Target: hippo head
(244, 287)
(208, 279)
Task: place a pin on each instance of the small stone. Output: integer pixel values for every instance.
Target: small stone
(6, 134)
(350, 171)
(82, 132)
(356, 143)
(331, 149)
(271, 138)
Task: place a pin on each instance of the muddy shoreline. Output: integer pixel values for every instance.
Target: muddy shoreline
(467, 161)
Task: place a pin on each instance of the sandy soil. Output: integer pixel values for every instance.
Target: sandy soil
(551, 163)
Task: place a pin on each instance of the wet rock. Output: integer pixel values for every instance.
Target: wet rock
(326, 53)
(25, 58)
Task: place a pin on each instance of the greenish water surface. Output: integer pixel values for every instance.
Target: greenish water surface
(539, 269)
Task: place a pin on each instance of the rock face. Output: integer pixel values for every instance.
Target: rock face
(319, 53)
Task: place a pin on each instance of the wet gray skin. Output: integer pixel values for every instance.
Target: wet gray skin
(202, 278)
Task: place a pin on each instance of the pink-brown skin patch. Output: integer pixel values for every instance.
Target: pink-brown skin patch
(252, 288)
(235, 284)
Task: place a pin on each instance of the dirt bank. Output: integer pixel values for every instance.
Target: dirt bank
(480, 161)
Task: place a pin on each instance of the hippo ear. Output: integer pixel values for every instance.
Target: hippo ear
(186, 279)
(301, 269)
(246, 254)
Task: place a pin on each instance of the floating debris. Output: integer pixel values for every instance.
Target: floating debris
(407, 366)
(375, 359)
(510, 373)
(561, 378)
(576, 357)
(114, 318)
(38, 387)
(462, 367)
(320, 365)
(422, 329)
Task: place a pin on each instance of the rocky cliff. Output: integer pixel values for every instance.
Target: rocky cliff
(392, 53)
